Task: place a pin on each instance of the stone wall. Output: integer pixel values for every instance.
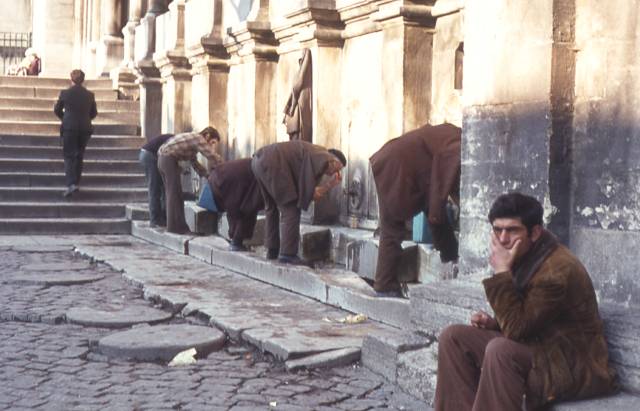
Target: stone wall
(606, 146)
(18, 19)
(54, 26)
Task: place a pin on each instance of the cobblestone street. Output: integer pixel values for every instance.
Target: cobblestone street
(48, 364)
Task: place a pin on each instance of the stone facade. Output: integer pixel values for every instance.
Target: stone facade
(547, 96)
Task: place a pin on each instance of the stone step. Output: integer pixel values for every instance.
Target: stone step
(21, 179)
(51, 82)
(52, 92)
(57, 166)
(60, 226)
(116, 117)
(48, 103)
(98, 140)
(68, 210)
(332, 286)
(52, 152)
(86, 194)
(52, 128)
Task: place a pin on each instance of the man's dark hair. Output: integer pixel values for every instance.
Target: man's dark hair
(338, 154)
(212, 132)
(517, 205)
(77, 76)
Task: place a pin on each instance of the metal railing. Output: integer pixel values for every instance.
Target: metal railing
(12, 48)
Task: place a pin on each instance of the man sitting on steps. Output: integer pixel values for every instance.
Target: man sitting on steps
(546, 341)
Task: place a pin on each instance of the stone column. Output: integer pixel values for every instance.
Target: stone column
(314, 25)
(174, 68)
(252, 47)
(209, 66)
(111, 45)
(148, 74)
(124, 75)
(53, 35)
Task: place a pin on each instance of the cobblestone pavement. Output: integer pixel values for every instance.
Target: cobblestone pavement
(48, 364)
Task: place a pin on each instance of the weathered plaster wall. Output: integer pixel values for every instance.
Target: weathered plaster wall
(606, 212)
(17, 17)
(506, 123)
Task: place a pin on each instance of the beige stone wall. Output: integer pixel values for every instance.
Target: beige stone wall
(17, 17)
(53, 35)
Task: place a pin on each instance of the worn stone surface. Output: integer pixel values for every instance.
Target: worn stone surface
(362, 258)
(161, 342)
(258, 232)
(47, 366)
(159, 236)
(620, 402)
(54, 278)
(335, 358)
(116, 317)
(315, 243)
(56, 267)
(380, 352)
(200, 220)
(417, 372)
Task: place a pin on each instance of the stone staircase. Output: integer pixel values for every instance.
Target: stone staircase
(32, 167)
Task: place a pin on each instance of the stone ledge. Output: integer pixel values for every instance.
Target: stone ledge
(381, 352)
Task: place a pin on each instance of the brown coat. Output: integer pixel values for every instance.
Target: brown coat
(558, 317)
(291, 170)
(298, 111)
(418, 171)
(235, 188)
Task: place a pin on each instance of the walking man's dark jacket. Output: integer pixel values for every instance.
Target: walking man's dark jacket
(76, 107)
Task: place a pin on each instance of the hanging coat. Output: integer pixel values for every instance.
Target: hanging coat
(298, 111)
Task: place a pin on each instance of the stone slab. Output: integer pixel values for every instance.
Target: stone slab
(159, 236)
(161, 342)
(620, 402)
(42, 248)
(200, 220)
(362, 258)
(380, 352)
(136, 212)
(417, 372)
(315, 243)
(117, 317)
(335, 358)
(258, 232)
(53, 279)
(56, 266)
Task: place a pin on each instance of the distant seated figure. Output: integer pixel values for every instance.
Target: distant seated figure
(236, 191)
(29, 66)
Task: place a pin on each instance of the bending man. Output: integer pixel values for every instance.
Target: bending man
(415, 172)
(289, 175)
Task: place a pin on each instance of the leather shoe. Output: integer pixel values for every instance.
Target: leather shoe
(272, 254)
(237, 247)
(70, 190)
(292, 259)
(390, 294)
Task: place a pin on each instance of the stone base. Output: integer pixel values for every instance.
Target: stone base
(200, 220)
(362, 258)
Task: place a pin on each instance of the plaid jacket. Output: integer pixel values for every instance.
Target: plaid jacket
(185, 147)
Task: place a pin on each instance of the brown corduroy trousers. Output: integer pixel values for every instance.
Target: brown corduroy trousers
(480, 370)
(170, 172)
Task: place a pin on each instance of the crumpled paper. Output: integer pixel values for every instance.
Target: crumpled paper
(185, 357)
(349, 319)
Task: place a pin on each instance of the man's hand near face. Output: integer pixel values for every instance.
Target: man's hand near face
(323, 189)
(483, 320)
(501, 258)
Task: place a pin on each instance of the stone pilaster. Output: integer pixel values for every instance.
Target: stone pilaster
(209, 66)
(314, 25)
(125, 75)
(148, 74)
(111, 45)
(253, 60)
(174, 68)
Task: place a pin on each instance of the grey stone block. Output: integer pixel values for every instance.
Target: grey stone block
(258, 232)
(341, 237)
(160, 237)
(334, 358)
(362, 258)
(430, 268)
(200, 220)
(136, 212)
(437, 305)
(161, 342)
(117, 317)
(619, 402)
(417, 372)
(315, 243)
(380, 352)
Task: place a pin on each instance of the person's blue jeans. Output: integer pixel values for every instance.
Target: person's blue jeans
(157, 209)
